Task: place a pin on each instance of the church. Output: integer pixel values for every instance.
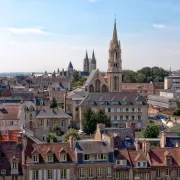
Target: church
(112, 81)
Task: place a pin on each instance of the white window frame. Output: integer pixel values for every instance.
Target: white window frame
(35, 174)
(35, 158)
(14, 164)
(112, 109)
(141, 164)
(50, 174)
(158, 173)
(63, 156)
(101, 157)
(90, 173)
(81, 173)
(108, 171)
(50, 158)
(63, 174)
(99, 172)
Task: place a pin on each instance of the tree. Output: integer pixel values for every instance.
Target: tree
(101, 117)
(89, 121)
(176, 112)
(77, 84)
(158, 79)
(140, 78)
(76, 76)
(51, 136)
(71, 132)
(129, 76)
(57, 130)
(151, 131)
(54, 103)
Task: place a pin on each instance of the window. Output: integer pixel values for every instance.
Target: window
(50, 158)
(141, 164)
(63, 157)
(14, 177)
(48, 122)
(108, 171)
(168, 172)
(97, 85)
(50, 174)
(158, 173)
(62, 123)
(11, 123)
(106, 109)
(35, 175)
(132, 109)
(101, 156)
(117, 162)
(139, 110)
(86, 157)
(90, 173)
(112, 109)
(36, 158)
(118, 110)
(127, 117)
(178, 172)
(127, 110)
(81, 172)
(55, 121)
(122, 175)
(168, 160)
(99, 171)
(63, 173)
(14, 165)
(77, 108)
(139, 118)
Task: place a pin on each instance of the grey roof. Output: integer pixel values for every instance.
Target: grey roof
(122, 97)
(90, 77)
(52, 113)
(122, 132)
(92, 147)
(77, 95)
(26, 96)
(169, 90)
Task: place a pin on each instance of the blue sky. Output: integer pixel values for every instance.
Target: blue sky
(38, 35)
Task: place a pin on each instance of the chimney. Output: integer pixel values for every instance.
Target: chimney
(112, 142)
(146, 147)
(133, 127)
(72, 142)
(51, 140)
(137, 145)
(65, 96)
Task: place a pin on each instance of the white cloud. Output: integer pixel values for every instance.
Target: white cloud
(159, 26)
(26, 31)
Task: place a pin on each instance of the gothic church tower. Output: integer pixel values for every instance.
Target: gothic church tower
(115, 64)
(86, 63)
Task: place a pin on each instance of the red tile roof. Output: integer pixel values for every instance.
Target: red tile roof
(45, 148)
(12, 135)
(158, 156)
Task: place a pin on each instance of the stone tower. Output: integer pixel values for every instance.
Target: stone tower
(86, 63)
(93, 62)
(115, 64)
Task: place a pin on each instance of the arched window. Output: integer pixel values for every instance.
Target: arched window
(91, 88)
(104, 88)
(97, 85)
(116, 83)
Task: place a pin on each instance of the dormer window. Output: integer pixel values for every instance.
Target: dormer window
(121, 162)
(14, 165)
(86, 157)
(35, 158)
(50, 158)
(168, 160)
(141, 164)
(63, 156)
(3, 172)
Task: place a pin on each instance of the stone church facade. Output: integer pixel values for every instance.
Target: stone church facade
(96, 82)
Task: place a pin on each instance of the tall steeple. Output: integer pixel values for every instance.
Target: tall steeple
(93, 56)
(115, 37)
(115, 63)
(86, 63)
(86, 55)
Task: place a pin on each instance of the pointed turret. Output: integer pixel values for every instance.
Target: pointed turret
(115, 38)
(58, 71)
(86, 55)
(86, 63)
(70, 66)
(93, 58)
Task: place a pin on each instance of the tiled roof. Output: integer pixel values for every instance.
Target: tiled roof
(52, 113)
(137, 86)
(5, 92)
(122, 154)
(56, 148)
(93, 146)
(8, 150)
(137, 156)
(26, 96)
(158, 156)
(90, 77)
(12, 135)
(128, 97)
(10, 112)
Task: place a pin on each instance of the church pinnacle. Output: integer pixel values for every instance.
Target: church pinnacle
(115, 38)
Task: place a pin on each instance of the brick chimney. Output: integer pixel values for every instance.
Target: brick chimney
(133, 127)
(112, 142)
(146, 147)
(137, 145)
(65, 97)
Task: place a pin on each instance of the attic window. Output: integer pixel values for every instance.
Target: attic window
(50, 158)
(63, 156)
(35, 158)
(168, 160)
(3, 172)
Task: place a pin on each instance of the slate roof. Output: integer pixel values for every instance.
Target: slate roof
(130, 97)
(92, 147)
(7, 151)
(158, 156)
(90, 77)
(26, 96)
(122, 132)
(51, 113)
(55, 148)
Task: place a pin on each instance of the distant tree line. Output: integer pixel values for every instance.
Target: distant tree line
(77, 80)
(145, 75)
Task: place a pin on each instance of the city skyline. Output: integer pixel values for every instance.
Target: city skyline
(47, 35)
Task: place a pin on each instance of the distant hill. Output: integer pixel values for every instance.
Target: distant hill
(12, 74)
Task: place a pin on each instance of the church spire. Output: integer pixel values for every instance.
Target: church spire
(86, 55)
(115, 38)
(93, 56)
